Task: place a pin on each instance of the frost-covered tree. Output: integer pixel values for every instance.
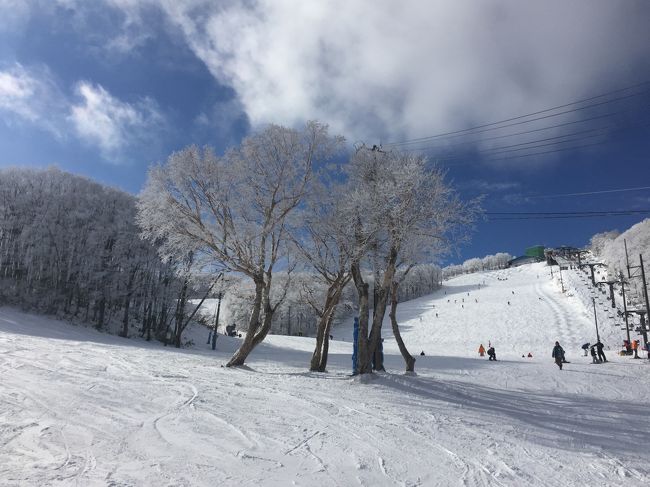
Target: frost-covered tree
(411, 214)
(324, 242)
(232, 210)
(70, 247)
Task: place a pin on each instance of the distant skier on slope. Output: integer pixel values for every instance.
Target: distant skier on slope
(481, 350)
(492, 354)
(558, 354)
(594, 357)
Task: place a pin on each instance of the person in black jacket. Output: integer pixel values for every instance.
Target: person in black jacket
(601, 355)
(492, 354)
(558, 354)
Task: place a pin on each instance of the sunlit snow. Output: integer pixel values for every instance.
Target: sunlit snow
(82, 408)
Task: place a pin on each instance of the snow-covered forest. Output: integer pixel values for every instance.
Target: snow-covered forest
(70, 247)
(477, 264)
(610, 248)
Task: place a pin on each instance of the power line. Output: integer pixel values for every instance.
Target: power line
(577, 136)
(501, 216)
(519, 156)
(509, 148)
(520, 117)
(587, 193)
(525, 132)
(565, 212)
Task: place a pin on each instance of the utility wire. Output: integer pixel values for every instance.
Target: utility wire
(514, 134)
(409, 141)
(501, 216)
(528, 213)
(518, 156)
(588, 192)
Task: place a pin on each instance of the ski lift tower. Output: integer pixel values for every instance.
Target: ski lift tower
(611, 289)
(578, 254)
(591, 266)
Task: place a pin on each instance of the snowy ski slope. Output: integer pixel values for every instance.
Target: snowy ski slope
(81, 408)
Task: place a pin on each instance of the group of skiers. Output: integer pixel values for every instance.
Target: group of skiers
(492, 354)
(596, 350)
(597, 353)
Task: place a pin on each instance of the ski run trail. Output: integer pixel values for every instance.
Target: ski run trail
(82, 408)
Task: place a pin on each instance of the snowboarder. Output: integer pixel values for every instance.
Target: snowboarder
(558, 354)
(601, 355)
(492, 354)
(481, 350)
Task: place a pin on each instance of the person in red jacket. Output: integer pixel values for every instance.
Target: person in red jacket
(481, 350)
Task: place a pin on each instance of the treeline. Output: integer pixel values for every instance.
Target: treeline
(295, 315)
(487, 263)
(70, 247)
(610, 248)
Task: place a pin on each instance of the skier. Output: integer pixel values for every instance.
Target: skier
(635, 347)
(558, 354)
(585, 347)
(594, 357)
(601, 355)
(492, 354)
(530, 355)
(481, 350)
(422, 352)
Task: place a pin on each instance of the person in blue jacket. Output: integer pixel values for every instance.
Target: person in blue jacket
(355, 346)
(558, 354)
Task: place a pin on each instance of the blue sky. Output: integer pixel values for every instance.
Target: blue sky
(106, 88)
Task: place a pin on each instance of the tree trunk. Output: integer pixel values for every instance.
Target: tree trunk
(248, 344)
(316, 357)
(319, 357)
(102, 312)
(380, 310)
(326, 343)
(363, 363)
(180, 312)
(408, 358)
(125, 320)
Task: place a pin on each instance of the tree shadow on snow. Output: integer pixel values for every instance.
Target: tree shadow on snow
(567, 421)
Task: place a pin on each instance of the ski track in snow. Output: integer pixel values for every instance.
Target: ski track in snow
(81, 408)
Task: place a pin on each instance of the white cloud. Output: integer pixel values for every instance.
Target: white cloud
(31, 95)
(111, 124)
(388, 69)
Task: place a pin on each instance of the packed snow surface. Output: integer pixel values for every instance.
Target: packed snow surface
(81, 408)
